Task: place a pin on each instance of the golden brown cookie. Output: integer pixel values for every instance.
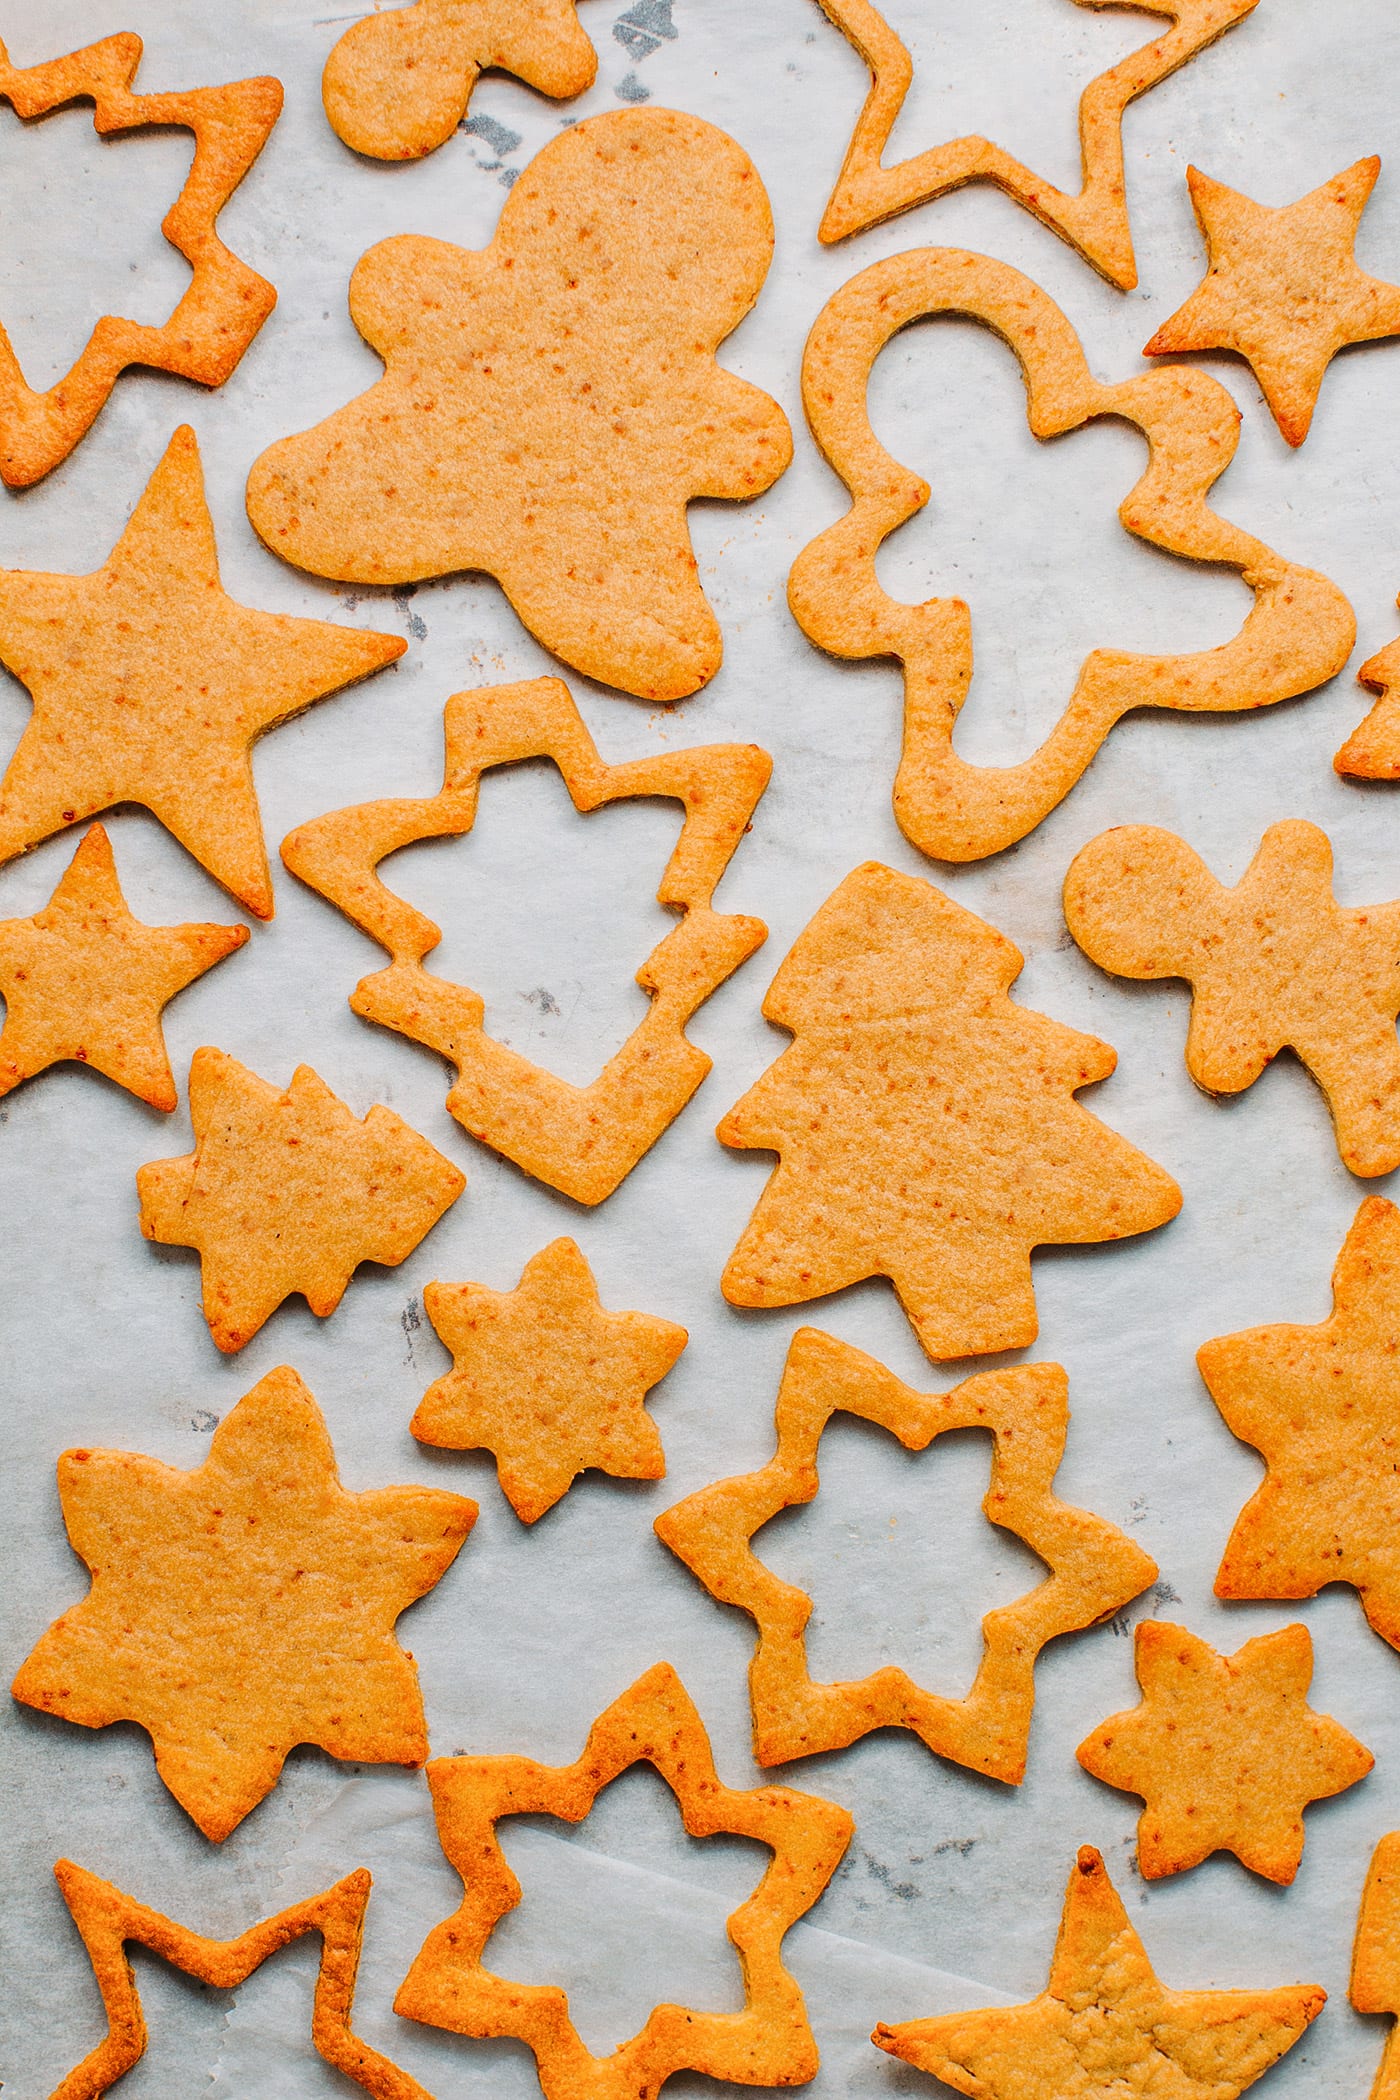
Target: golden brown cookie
(85, 981)
(244, 1607)
(768, 2043)
(1224, 1750)
(1283, 288)
(552, 403)
(225, 303)
(546, 1380)
(288, 1191)
(397, 85)
(1273, 963)
(926, 1127)
(1375, 1957)
(150, 684)
(1095, 220)
(1372, 751)
(1298, 631)
(1320, 1405)
(1093, 1568)
(583, 1140)
(1104, 2026)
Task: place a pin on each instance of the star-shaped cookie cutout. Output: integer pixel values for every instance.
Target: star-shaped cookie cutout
(1321, 1406)
(1224, 1749)
(768, 2043)
(1283, 288)
(85, 981)
(245, 1607)
(547, 1380)
(150, 684)
(288, 1191)
(1104, 2025)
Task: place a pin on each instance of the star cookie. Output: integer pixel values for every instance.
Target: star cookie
(150, 685)
(397, 85)
(1104, 2025)
(546, 1380)
(244, 1607)
(84, 981)
(768, 2043)
(224, 304)
(288, 1191)
(1283, 289)
(1275, 962)
(1225, 1751)
(1093, 1568)
(1320, 1405)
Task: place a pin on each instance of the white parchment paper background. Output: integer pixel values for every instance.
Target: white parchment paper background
(951, 1891)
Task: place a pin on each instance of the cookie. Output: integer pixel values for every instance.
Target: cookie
(1224, 1750)
(1283, 289)
(397, 85)
(582, 1140)
(150, 684)
(768, 2043)
(1104, 2025)
(1274, 962)
(1319, 1405)
(551, 403)
(225, 302)
(1298, 632)
(1375, 1955)
(546, 1380)
(288, 1191)
(926, 1127)
(85, 981)
(244, 1607)
(1372, 751)
(1095, 220)
(1093, 1568)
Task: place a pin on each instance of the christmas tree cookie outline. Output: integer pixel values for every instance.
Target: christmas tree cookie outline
(1372, 751)
(769, 2043)
(1298, 632)
(1094, 1568)
(1374, 1985)
(225, 303)
(898, 1153)
(583, 1141)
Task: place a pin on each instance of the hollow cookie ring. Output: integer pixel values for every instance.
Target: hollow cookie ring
(1297, 634)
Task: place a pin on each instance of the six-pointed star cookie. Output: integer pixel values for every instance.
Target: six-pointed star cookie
(547, 1380)
(84, 980)
(1283, 288)
(150, 685)
(1104, 2026)
(245, 1607)
(288, 1191)
(1322, 1406)
(1224, 1749)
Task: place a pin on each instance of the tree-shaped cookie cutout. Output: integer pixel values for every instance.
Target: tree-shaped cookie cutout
(1322, 1407)
(1224, 1750)
(1372, 751)
(288, 1191)
(1375, 1957)
(1104, 2025)
(83, 981)
(245, 1607)
(1275, 962)
(552, 403)
(397, 85)
(926, 1126)
(546, 1380)
(769, 2042)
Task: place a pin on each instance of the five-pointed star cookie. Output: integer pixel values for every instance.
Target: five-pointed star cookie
(245, 1607)
(1224, 1749)
(150, 685)
(1322, 1407)
(1283, 288)
(547, 1380)
(84, 980)
(1104, 2026)
(288, 1191)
